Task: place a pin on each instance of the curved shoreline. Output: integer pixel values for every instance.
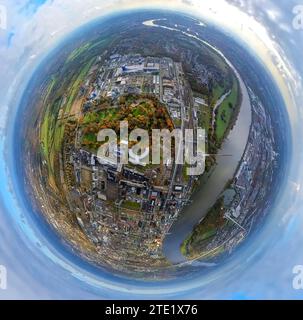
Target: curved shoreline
(205, 197)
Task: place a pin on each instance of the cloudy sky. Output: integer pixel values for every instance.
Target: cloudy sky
(266, 27)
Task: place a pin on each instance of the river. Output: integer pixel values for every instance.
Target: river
(205, 197)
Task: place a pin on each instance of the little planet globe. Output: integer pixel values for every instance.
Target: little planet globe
(155, 72)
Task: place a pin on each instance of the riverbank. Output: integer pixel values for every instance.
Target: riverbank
(206, 195)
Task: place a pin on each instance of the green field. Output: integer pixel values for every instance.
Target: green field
(77, 52)
(218, 92)
(47, 138)
(91, 117)
(131, 205)
(52, 129)
(202, 234)
(205, 118)
(227, 111)
(74, 89)
(184, 172)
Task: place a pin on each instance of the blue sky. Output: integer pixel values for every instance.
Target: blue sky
(32, 6)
